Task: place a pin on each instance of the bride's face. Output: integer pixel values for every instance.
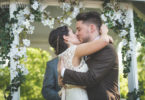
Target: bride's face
(72, 38)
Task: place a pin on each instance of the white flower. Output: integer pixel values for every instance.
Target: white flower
(20, 18)
(41, 9)
(26, 23)
(103, 18)
(16, 73)
(26, 42)
(26, 11)
(131, 45)
(30, 30)
(32, 18)
(109, 15)
(21, 13)
(127, 22)
(23, 69)
(21, 52)
(123, 33)
(117, 15)
(65, 6)
(114, 23)
(75, 12)
(48, 22)
(16, 40)
(67, 21)
(35, 5)
(128, 53)
(17, 52)
(17, 31)
(124, 41)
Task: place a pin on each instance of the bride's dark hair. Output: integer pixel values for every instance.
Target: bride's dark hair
(56, 39)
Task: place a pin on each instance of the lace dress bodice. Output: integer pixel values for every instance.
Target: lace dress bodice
(68, 55)
(73, 92)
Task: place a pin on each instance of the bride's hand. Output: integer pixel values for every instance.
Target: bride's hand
(104, 30)
(60, 79)
(110, 39)
(104, 34)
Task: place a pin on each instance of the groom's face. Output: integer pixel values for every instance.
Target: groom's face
(82, 31)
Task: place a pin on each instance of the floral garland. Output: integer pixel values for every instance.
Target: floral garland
(21, 28)
(117, 20)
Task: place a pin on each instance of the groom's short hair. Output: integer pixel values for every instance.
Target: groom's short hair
(90, 17)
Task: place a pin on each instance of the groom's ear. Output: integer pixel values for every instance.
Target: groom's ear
(92, 28)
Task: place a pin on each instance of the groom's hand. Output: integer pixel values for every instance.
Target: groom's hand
(60, 79)
(104, 31)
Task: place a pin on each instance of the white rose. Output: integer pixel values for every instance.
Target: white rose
(26, 42)
(67, 21)
(26, 11)
(35, 5)
(32, 18)
(124, 41)
(103, 18)
(123, 33)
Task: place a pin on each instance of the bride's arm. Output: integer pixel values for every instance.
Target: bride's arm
(93, 46)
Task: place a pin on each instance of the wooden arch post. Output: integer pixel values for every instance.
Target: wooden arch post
(15, 95)
(133, 75)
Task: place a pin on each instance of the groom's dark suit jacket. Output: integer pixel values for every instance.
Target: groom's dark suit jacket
(50, 84)
(102, 77)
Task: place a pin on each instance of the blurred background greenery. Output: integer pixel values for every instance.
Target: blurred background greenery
(36, 64)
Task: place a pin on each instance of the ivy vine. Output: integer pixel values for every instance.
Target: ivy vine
(5, 37)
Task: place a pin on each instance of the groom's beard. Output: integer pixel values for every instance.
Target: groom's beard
(85, 40)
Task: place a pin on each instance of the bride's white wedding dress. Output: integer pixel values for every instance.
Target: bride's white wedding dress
(73, 92)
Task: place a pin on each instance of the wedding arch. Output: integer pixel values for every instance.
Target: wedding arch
(118, 17)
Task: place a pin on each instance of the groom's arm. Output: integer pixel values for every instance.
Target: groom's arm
(101, 65)
(48, 90)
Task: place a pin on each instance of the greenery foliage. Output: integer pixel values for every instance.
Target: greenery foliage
(141, 72)
(5, 37)
(123, 85)
(140, 29)
(36, 64)
(4, 80)
(140, 36)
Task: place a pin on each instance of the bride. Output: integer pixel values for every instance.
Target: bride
(67, 46)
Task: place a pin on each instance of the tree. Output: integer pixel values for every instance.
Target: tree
(36, 64)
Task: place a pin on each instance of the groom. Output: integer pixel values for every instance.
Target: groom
(101, 79)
